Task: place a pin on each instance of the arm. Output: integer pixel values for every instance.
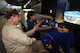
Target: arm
(20, 37)
(45, 28)
(30, 32)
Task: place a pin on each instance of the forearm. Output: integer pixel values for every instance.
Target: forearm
(45, 28)
(30, 32)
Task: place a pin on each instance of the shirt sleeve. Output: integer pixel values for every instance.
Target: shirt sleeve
(20, 37)
(30, 32)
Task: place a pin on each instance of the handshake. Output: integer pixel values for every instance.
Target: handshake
(36, 27)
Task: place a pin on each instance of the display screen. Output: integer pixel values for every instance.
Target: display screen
(72, 17)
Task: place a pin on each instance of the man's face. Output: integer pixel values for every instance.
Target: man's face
(16, 19)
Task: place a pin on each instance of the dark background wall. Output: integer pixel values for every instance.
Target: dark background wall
(74, 4)
(48, 5)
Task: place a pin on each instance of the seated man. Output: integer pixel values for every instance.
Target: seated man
(16, 41)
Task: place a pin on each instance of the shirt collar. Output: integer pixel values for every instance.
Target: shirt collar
(9, 23)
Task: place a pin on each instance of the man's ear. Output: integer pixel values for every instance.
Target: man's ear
(12, 17)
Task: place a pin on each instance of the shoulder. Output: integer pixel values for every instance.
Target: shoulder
(8, 27)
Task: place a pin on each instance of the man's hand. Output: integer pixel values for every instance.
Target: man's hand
(36, 27)
(38, 23)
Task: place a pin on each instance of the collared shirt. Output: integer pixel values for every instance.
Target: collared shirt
(16, 41)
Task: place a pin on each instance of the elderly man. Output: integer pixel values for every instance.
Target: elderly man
(16, 41)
